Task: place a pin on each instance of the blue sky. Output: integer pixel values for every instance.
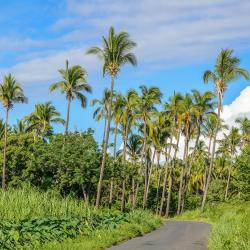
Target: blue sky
(177, 41)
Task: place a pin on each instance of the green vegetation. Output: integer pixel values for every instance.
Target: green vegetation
(38, 218)
(73, 175)
(231, 224)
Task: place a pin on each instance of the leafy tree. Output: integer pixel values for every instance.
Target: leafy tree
(115, 53)
(10, 92)
(73, 84)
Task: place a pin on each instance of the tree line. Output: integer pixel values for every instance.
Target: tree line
(147, 171)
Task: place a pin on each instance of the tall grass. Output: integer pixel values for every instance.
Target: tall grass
(231, 225)
(28, 203)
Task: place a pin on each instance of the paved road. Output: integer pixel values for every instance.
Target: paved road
(173, 235)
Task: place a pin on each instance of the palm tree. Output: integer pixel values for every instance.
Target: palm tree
(188, 109)
(161, 133)
(10, 92)
(225, 71)
(244, 125)
(115, 53)
(232, 141)
(208, 130)
(40, 120)
(202, 106)
(145, 109)
(173, 108)
(73, 83)
(101, 112)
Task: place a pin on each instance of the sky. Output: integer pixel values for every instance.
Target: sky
(177, 40)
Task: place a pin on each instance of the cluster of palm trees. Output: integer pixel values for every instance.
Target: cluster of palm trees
(182, 116)
(151, 130)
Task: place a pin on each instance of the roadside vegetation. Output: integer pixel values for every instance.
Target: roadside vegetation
(39, 218)
(231, 224)
(80, 188)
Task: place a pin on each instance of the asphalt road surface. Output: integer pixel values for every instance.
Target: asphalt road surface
(173, 235)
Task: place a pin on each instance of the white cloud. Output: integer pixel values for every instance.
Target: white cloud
(240, 107)
(45, 68)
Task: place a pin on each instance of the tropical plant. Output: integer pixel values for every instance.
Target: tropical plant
(42, 117)
(73, 83)
(10, 92)
(244, 125)
(115, 53)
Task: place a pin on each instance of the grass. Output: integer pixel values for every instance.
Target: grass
(231, 224)
(28, 203)
(30, 219)
(140, 222)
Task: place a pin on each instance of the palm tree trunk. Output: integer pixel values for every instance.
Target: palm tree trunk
(111, 192)
(212, 154)
(124, 160)
(112, 178)
(206, 168)
(115, 139)
(159, 180)
(5, 150)
(188, 174)
(99, 188)
(133, 192)
(149, 176)
(136, 194)
(67, 118)
(146, 167)
(182, 175)
(104, 132)
(229, 176)
(171, 179)
(165, 178)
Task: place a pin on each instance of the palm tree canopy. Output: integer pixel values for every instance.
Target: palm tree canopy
(41, 119)
(21, 126)
(73, 84)
(115, 52)
(11, 92)
(226, 69)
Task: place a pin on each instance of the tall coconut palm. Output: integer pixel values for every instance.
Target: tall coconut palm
(73, 84)
(128, 104)
(232, 141)
(226, 70)
(10, 92)
(42, 117)
(115, 52)
(161, 133)
(202, 106)
(145, 109)
(173, 108)
(244, 125)
(188, 110)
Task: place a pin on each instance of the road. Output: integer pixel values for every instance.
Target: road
(173, 235)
